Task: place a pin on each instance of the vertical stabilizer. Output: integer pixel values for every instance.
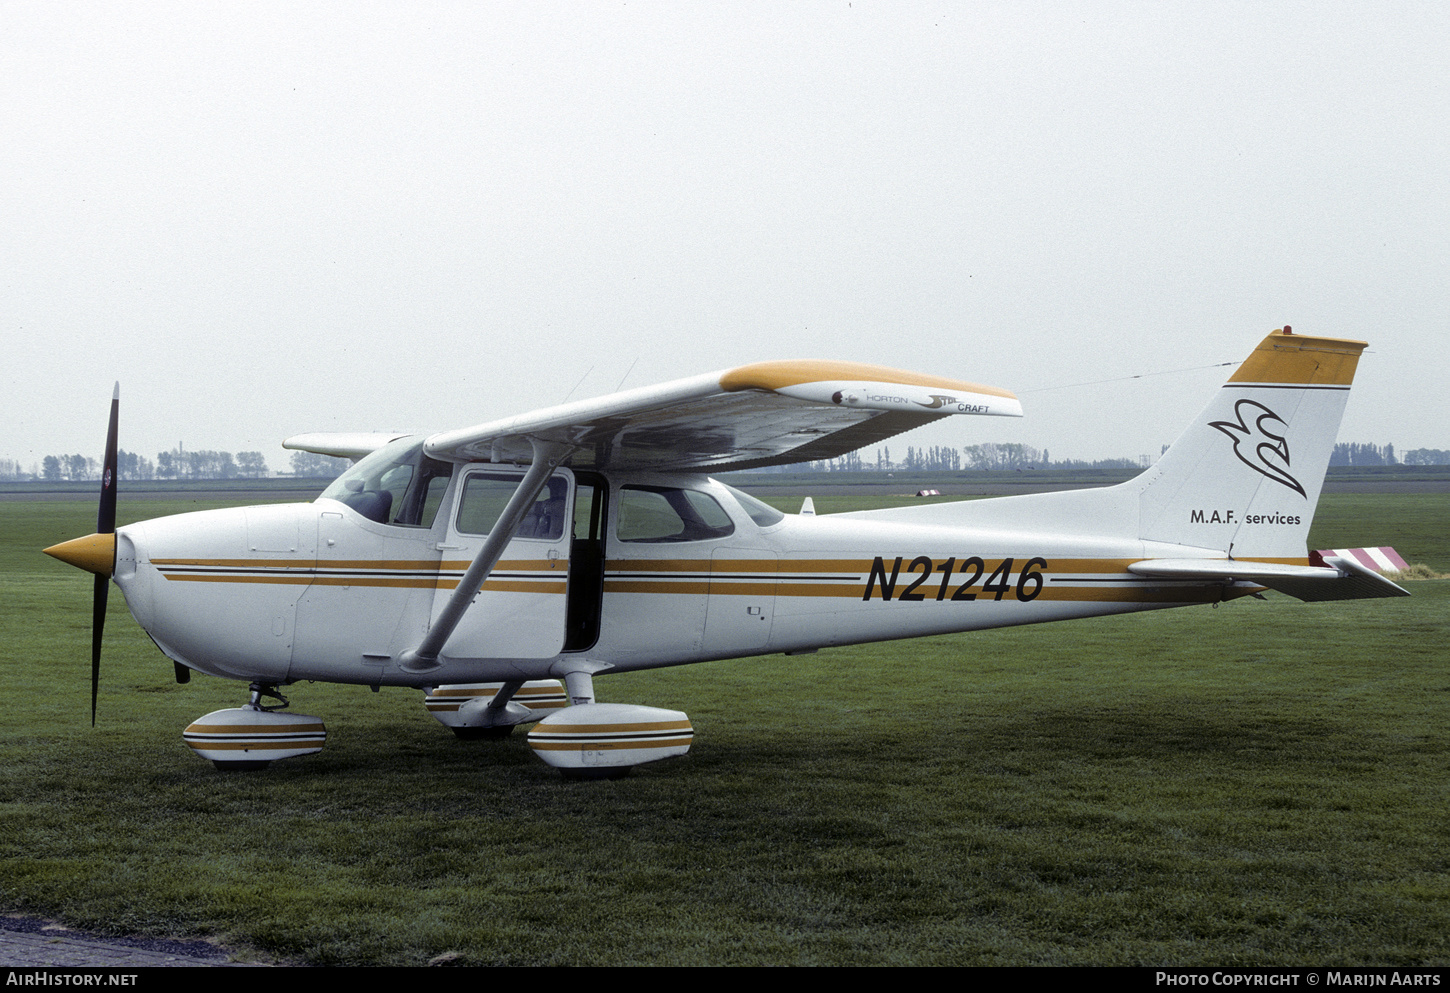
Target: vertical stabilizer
(1245, 477)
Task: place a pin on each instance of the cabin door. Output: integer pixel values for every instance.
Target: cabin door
(521, 610)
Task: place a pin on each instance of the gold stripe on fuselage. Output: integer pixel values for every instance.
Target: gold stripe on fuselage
(510, 576)
(1069, 580)
(1078, 579)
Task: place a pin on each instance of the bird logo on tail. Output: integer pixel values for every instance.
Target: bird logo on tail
(1259, 447)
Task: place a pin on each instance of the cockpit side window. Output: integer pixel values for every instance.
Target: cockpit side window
(665, 513)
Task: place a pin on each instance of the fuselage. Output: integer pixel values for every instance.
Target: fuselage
(627, 572)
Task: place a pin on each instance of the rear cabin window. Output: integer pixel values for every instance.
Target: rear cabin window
(663, 513)
(763, 514)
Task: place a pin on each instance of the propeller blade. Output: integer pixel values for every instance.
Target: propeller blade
(105, 524)
(106, 515)
(98, 624)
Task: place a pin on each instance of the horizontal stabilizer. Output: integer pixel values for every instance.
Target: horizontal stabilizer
(1337, 579)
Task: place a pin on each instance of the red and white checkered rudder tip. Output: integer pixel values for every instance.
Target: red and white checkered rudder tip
(1381, 559)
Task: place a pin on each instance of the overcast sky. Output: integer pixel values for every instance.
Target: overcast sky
(271, 218)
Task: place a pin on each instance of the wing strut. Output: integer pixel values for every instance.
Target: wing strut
(547, 456)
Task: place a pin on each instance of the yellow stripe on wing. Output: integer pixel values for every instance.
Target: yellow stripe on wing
(780, 375)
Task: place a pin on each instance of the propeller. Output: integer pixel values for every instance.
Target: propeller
(105, 524)
(96, 553)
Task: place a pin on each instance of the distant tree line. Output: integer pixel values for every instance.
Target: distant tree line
(1427, 456)
(184, 465)
(176, 464)
(992, 456)
(1356, 454)
(1353, 454)
(1001, 456)
(313, 465)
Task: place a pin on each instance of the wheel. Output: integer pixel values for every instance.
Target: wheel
(590, 775)
(496, 732)
(240, 766)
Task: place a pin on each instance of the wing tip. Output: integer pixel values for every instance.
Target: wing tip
(852, 383)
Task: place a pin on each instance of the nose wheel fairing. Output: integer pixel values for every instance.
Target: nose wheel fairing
(253, 736)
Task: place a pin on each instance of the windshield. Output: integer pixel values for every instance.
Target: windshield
(397, 484)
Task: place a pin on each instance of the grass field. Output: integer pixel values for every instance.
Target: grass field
(1263, 783)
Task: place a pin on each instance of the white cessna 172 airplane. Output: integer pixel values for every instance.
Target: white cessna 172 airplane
(489, 564)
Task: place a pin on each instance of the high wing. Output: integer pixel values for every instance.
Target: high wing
(769, 413)
(344, 445)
